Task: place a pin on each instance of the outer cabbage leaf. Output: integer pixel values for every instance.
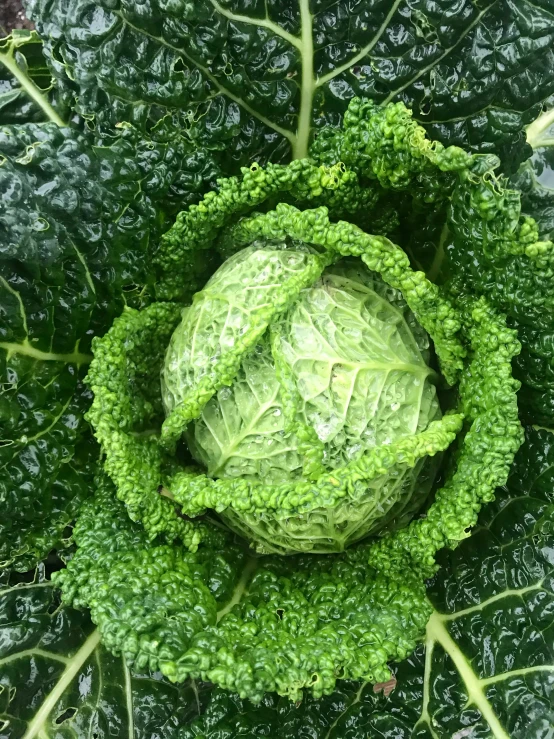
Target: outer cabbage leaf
(76, 224)
(28, 92)
(56, 679)
(487, 668)
(535, 366)
(460, 220)
(535, 177)
(258, 78)
(490, 642)
(251, 625)
(303, 621)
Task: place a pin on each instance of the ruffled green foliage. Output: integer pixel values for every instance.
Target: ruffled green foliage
(471, 341)
(196, 228)
(488, 401)
(125, 410)
(476, 218)
(257, 80)
(76, 221)
(387, 145)
(253, 647)
(160, 100)
(250, 625)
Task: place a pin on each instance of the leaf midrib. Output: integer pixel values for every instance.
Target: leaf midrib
(74, 664)
(300, 139)
(32, 91)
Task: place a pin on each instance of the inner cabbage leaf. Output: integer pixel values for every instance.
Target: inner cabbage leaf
(343, 370)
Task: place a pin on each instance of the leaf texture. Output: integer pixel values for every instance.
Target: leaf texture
(487, 668)
(76, 224)
(56, 679)
(266, 75)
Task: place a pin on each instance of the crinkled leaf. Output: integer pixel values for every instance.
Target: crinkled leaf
(471, 226)
(265, 75)
(76, 225)
(535, 177)
(490, 642)
(488, 670)
(56, 679)
(253, 625)
(28, 92)
(535, 365)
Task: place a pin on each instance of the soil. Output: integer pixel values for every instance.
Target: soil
(12, 15)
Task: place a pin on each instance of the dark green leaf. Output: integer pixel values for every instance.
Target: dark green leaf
(535, 178)
(490, 649)
(535, 365)
(57, 681)
(265, 75)
(488, 667)
(27, 90)
(76, 225)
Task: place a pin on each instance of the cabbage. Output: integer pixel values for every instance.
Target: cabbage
(342, 370)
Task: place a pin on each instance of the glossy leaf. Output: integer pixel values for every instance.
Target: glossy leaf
(487, 669)
(266, 75)
(27, 90)
(57, 681)
(343, 372)
(76, 224)
(252, 80)
(535, 366)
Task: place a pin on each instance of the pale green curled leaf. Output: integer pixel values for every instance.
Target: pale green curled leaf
(306, 517)
(478, 227)
(185, 400)
(257, 80)
(384, 487)
(487, 666)
(253, 649)
(489, 403)
(56, 679)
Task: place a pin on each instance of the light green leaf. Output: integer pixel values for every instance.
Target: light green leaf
(487, 670)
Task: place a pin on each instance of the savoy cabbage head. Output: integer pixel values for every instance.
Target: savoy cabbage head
(276, 297)
(327, 324)
(340, 372)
